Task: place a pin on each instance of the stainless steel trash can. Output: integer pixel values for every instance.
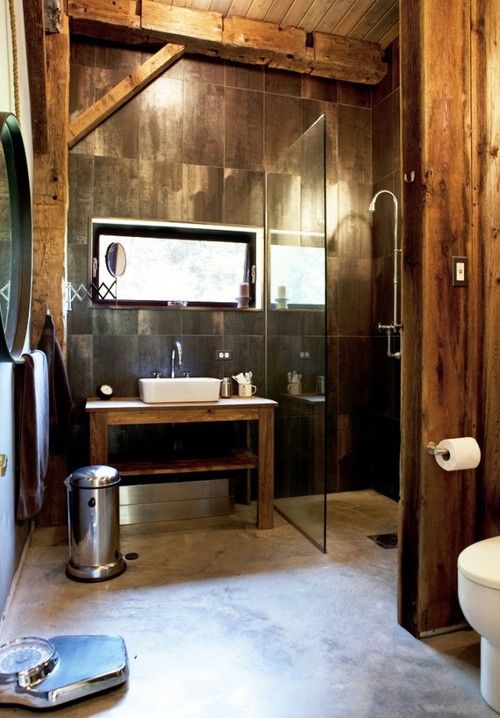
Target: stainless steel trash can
(94, 524)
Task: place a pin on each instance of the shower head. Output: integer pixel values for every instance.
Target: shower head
(371, 208)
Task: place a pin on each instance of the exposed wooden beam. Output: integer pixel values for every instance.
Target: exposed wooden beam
(182, 24)
(122, 92)
(35, 48)
(50, 195)
(234, 38)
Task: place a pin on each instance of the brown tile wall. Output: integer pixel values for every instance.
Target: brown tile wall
(194, 146)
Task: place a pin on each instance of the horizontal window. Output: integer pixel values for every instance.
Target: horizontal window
(176, 264)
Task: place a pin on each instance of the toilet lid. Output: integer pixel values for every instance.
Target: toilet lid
(480, 562)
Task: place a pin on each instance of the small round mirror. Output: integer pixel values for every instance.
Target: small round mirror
(15, 239)
(116, 259)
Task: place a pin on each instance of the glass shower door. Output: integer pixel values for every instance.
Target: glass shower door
(296, 329)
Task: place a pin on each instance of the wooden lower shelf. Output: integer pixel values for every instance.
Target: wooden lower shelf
(235, 461)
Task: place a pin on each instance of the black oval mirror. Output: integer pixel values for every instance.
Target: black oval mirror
(116, 259)
(15, 240)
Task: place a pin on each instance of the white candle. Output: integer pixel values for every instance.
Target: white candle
(244, 289)
(281, 292)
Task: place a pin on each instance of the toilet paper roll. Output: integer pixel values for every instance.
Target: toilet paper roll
(463, 453)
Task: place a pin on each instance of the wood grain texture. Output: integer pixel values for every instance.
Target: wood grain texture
(98, 438)
(447, 408)
(122, 412)
(233, 38)
(233, 462)
(181, 24)
(486, 216)
(438, 348)
(50, 196)
(115, 12)
(354, 18)
(130, 86)
(37, 79)
(265, 493)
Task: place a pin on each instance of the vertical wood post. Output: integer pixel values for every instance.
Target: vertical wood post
(50, 194)
(486, 228)
(440, 365)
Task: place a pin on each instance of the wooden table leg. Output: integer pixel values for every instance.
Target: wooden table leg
(265, 491)
(99, 438)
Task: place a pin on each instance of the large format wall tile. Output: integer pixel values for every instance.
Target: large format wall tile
(244, 136)
(119, 135)
(203, 132)
(282, 82)
(80, 363)
(116, 187)
(318, 88)
(111, 322)
(161, 121)
(195, 68)
(202, 193)
(355, 374)
(282, 126)
(160, 321)
(354, 236)
(154, 354)
(246, 77)
(160, 191)
(353, 278)
(81, 201)
(384, 138)
(355, 139)
(116, 363)
(244, 197)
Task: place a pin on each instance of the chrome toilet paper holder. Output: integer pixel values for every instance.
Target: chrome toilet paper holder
(434, 450)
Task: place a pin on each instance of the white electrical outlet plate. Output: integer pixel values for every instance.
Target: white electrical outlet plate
(459, 271)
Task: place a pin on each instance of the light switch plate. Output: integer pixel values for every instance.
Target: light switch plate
(459, 271)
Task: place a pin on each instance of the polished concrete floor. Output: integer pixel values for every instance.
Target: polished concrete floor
(224, 621)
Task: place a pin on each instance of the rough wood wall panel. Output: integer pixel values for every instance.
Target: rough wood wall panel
(448, 409)
(486, 141)
(35, 50)
(438, 509)
(50, 196)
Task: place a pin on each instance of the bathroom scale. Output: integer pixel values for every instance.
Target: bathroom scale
(45, 673)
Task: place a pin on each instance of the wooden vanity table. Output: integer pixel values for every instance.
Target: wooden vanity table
(121, 412)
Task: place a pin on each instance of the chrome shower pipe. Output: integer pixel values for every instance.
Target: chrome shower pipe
(395, 326)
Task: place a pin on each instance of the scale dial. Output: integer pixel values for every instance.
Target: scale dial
(26, 660)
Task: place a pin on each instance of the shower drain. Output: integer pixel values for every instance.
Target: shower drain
(385, 540)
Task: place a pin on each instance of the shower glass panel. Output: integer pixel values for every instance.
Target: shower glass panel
(296, 329)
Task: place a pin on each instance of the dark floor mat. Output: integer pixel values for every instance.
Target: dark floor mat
(385, 540)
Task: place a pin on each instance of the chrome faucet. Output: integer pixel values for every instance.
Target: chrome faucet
(177, 350)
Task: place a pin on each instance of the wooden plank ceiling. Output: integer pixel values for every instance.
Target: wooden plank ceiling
(372, 20)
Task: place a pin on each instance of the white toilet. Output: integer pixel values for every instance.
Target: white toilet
(479, 597)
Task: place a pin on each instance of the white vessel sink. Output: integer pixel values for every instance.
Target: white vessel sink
(161, 391)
